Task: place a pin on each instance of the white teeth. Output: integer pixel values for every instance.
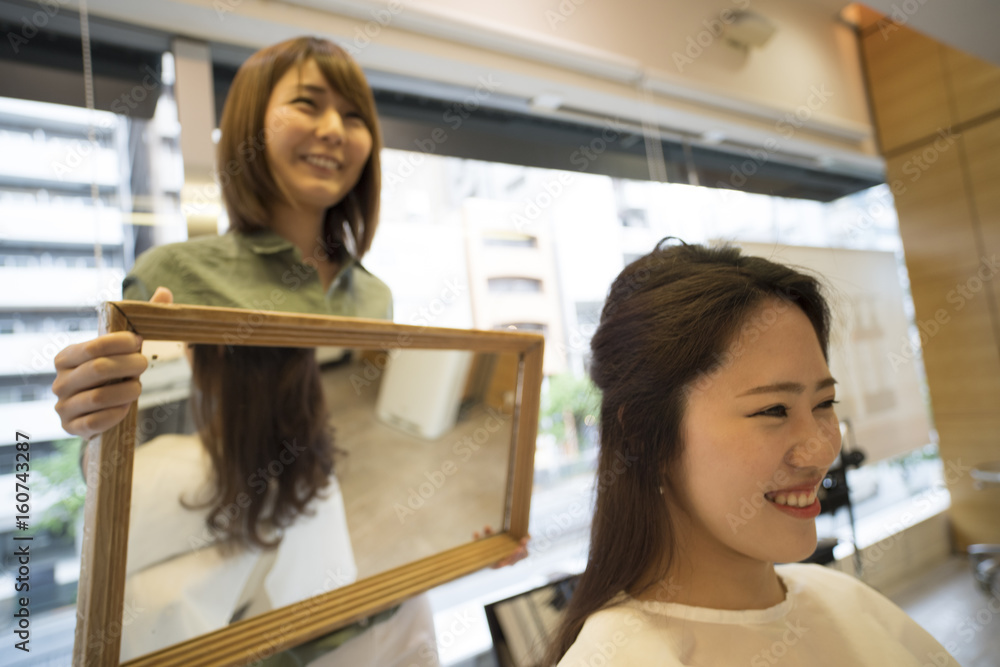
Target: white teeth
(323, 162)
(794, 499)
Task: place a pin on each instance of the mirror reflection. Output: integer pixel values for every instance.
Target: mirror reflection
(265, 476)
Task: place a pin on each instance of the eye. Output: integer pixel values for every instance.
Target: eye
(827, 405)
(306, 100)
(773, 411)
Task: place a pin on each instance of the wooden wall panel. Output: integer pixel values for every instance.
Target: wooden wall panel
(973, 511)
(959, 361)
(982, 146)
(928, 186)
(939, 232)
(911, 99)
(948, 201)
(975, 85)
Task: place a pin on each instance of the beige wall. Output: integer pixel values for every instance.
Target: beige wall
(810, 47)
(937, 112)
(593, 60)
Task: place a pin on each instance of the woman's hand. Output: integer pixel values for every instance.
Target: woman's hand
(98, 380)
(519, 555)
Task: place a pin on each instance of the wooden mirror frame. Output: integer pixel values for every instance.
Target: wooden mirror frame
(100, 598)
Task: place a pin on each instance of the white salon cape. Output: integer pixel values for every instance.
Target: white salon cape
(181, 584)
(828, 618)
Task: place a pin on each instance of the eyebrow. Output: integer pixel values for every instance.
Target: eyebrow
(788, 387)
(316, 90)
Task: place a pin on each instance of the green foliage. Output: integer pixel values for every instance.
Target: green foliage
(570, 394)
(60, 475)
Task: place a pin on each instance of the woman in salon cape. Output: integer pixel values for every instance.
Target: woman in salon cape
(712, 367)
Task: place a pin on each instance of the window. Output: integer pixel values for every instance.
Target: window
(63, 247)
(633, 217)
(530, 327)
(588, 314)
(511, 241)
(520, 285)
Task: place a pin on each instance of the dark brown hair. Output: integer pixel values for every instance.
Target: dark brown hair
(667, 323)
(246, 179)
(263, 420)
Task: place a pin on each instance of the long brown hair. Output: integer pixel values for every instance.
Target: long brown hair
(666, 324)
(262, 417)
(246, 180)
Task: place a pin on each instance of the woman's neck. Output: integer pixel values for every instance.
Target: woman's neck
(706, 574)
(304, 229)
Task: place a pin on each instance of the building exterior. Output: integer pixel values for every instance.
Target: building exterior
(78, 197)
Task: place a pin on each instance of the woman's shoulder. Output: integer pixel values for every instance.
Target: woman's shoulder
(835, 594)
(368, 295)
(821, 581)
(199, 246)
(620, 636)
(171, 264)
(368, 279)
(868, 621)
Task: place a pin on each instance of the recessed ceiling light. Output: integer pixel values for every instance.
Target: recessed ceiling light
(547, 101)
(713, 137)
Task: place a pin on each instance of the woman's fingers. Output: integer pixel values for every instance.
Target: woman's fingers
(96, 371)
(89, 412)
(121, 342)
(89, 425)
(96, 381)
(519, 555)
(162, 295)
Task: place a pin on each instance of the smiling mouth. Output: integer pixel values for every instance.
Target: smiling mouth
(322, 162)
(792, 498)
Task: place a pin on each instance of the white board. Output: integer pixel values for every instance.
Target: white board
(878, 389)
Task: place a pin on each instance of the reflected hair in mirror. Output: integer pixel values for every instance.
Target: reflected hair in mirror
(263, 420)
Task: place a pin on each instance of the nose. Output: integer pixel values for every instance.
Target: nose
(331, 126)
(816, 444)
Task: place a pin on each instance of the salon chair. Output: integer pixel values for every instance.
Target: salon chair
(985, 558)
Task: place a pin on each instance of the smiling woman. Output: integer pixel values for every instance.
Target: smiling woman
(756, 430)
(714, 378)
(319, 153)
(299, 160)
(305, 108)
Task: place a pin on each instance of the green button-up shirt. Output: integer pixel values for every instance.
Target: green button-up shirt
(259, 271)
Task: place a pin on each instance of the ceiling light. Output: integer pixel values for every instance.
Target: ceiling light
(546, 101)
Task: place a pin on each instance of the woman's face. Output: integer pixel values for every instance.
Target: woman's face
(317, 143)
(759, 434)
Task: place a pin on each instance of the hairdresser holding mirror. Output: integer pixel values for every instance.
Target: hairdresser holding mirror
(300, 177)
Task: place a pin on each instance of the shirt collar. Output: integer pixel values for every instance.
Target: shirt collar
(266, 242)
